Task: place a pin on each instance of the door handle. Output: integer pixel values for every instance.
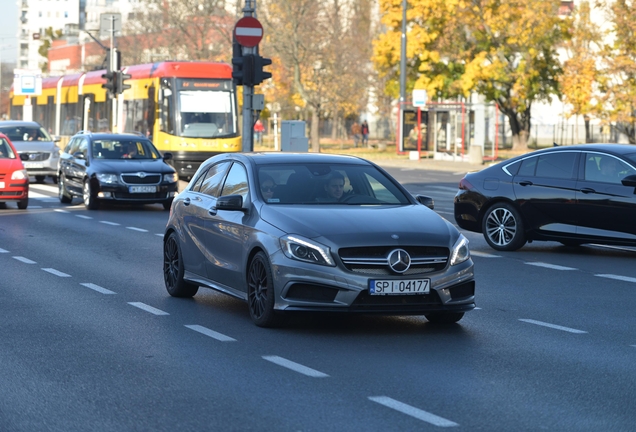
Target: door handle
(588, 190)
(525, 183)
(186, 201)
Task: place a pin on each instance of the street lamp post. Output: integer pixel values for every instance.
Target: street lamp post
(402, 77)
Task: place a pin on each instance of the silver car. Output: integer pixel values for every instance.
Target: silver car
(314, 232)
(33, 140)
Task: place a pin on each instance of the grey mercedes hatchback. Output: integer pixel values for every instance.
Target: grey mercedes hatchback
(314, 232)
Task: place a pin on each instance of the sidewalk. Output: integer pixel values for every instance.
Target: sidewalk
(456, 167)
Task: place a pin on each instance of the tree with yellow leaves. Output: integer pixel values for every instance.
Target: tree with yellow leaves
(503, 50)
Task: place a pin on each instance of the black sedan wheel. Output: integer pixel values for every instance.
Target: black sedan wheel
(90, 200)
(63, 194)
(260, 292)
(503, 228)
(444, 317)
(173, 270)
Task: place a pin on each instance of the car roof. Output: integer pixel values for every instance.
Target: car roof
(604, 147)
(110, 135)
(19, 123)
(268, 158)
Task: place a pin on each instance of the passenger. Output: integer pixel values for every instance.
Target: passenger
(610, 168)
(268, 187)
(334, 188)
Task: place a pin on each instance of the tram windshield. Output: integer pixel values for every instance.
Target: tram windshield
(205, 108)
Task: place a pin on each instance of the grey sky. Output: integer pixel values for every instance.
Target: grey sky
(8, 30)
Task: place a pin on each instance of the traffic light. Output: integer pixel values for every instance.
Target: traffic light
(121, 82)
(111, 83)
(243, 70)
(259, 74)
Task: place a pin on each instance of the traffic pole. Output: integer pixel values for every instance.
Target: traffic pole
(248, 91)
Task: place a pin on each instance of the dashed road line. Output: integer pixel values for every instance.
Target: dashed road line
(109, 223)
(211, 333)
(617, 277)
(24, 260)
(413, 412)
(160, 235)
(553, 326)
(484, 254)
(4, 251)
(35, 207)
(137, 229)
(83, 216)
(296, 367)
(147, 308)
(61, 211)
(97, 288)
(550, 266)
(56, 272)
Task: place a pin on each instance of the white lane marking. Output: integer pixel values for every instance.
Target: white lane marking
(295, 366)
(60, 211)
(4, 251)
(211, 333)
(477, 308)
(160, 235)
(33, 194)
(83, 216)
(136, 229)
(109, 223)
(35, 207)
(97, 288)
(442, 211)
(550, 266)
(412, 411)
(407, 169)
(633, 346)
(446, 188)
(24, 260)
(56, 272)
(484, 254)
(554, 326)
(617, 277)
(147, 308)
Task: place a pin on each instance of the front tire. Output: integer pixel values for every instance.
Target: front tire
(444, 317)
(39, 178)
(23, 204)
(260, 292)
(167, 205)
(90, 200)
(503, 228)
(173, 269)
(65, 197)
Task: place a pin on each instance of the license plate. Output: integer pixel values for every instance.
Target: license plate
(399, 286)
(142, 189)
(1, 185)
(33, 164)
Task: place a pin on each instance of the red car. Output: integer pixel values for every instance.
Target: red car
(14, 180)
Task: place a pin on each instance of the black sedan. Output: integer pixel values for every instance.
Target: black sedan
(573, 195)
(314, 232)
(124, 168)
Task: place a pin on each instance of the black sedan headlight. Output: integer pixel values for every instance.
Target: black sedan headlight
(171, 178)
(302, 249)
(460, 251)
(105, 178)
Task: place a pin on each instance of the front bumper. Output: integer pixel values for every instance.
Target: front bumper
(118, 192)
(14, 190)
(41, 163)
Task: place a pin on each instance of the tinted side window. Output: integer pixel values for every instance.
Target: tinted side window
(196, 186)
(528, 166)
(72, 146)
(213, 178)
(236, 183)
(558, 165)
(513, 168)
(83, 147)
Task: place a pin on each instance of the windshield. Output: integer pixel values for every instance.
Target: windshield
(6, 152)
(25, 133)
(206, 108)
(124, 149)
(318, 184)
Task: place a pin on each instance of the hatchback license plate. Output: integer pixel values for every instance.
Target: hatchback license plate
(33, 164)
(399, 286)
(142, 189)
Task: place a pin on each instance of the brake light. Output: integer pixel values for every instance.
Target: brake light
(465, 184)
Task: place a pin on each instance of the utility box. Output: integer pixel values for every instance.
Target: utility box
(293, 137)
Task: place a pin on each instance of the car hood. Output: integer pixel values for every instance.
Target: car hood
(40, 146)
(7, 166)
(132, 166)
(363, 225)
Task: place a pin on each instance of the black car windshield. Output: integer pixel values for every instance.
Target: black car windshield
(25, 133)
(124, 149)
(6, 152)
(319, 184)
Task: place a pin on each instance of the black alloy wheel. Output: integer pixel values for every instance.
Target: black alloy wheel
(260, 292)
(173, 269)
(444, 317)
(503, 228)
(65, 197)
(90, 200)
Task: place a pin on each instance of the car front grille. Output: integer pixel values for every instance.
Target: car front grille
(37, 156)
(378, 303)
(11, 193)
(141, 178)
(374, 260)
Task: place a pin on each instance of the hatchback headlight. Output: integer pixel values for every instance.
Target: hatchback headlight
(460, 252)
(170, 178)
(106, 178)
(19, 175)
(302, 249)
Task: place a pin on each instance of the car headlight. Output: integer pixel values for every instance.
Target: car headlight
(302, 249)
(55, 153)
(106, 178)
(171, 178)
(460, 252)
(19, 175)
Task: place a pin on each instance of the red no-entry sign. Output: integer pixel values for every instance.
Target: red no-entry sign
(248, 31)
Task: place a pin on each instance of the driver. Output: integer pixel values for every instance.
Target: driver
(334, 188)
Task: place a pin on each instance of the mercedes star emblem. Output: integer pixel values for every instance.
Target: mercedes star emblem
(399, 260)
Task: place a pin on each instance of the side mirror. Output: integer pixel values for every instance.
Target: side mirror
(427, 201)
(167, 156)
(79, 155)
(24, 157)
(57, 138)
(230, 202)
(630, 180)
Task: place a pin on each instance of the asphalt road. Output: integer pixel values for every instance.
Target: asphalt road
(92, 341)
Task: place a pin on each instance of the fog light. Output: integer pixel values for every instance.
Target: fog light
(104, 194)
(446, 292)
(171, 194)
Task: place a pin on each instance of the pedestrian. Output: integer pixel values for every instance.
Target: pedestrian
(355, 131)
(365, 133)
(259, 128)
